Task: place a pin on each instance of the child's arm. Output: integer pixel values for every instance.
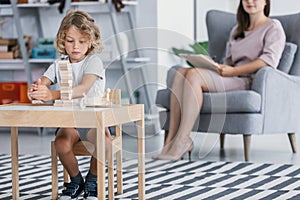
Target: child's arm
(87, 82)
(40, 91)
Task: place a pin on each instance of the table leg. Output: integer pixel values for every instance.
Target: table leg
(141, 158)
(14, 162)
(119, 161)
(100, 145)
(54, 171)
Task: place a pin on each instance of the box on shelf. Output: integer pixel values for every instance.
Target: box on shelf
(45, 42)
(6, 48)
(42, 52)
(13, 92)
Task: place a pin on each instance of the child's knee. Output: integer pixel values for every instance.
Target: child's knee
(62, 145)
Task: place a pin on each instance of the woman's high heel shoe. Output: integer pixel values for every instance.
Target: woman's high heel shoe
(164, 151)
(188, 150)
(190, 154)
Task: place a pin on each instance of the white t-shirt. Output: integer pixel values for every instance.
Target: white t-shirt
(91, 64)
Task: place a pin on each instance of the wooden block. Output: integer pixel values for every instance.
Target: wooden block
(58, 103)
(64, 103)
(97, 101)
(66, 88)
(64, 65)
(65, 73)
(66, 96)
(68, 103)
(66, 77)
(67, 84)
(37, 101)
(66, 81)
(64, 92)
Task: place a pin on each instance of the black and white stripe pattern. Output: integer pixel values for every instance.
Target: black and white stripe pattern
(168, 180)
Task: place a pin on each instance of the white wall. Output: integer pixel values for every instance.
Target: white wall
(278, 7)
(202, 7)
(282, 7)
(175, 22)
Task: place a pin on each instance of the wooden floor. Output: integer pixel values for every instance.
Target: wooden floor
(267, 148)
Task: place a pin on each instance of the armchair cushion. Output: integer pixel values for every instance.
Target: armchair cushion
(287, 57)
(243, 101)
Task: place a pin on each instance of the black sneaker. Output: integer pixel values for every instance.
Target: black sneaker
(90, 190)
(71, 191)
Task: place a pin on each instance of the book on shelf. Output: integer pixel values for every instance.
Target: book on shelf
(8, 41)
(201, 61)
(7, 55)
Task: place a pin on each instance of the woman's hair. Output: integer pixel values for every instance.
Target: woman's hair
(243, 20)
(85, 24)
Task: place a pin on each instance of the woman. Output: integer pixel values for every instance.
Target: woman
(257, 41)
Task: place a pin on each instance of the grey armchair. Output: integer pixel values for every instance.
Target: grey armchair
(271, 106)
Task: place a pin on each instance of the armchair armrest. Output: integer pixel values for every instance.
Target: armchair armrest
(280, 99)
(267, 74)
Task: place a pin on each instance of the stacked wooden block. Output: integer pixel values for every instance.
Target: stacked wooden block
(66, 83)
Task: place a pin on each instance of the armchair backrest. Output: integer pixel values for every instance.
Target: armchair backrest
(219, 24)
(291, 26)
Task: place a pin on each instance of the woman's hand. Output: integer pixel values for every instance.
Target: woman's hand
(226, 70)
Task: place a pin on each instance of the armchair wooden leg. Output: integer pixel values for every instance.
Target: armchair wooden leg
(222, 140)
(247, 141)
(54, 172)
(292, 138)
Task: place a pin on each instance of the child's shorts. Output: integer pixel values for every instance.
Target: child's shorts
(81, 131)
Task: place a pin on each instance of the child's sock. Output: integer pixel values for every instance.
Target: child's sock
(90, 177)
(77, 179)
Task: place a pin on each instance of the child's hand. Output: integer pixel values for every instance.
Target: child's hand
(39, 91)
(33, 87)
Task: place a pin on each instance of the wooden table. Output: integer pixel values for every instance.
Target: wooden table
(22, 115)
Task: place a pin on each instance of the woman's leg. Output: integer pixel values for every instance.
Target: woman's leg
(196, 81)
(64, 141)
(175, 106)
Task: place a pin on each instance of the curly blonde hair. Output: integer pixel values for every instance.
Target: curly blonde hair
(85, 24)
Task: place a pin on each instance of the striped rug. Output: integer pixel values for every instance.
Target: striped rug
(168, 180)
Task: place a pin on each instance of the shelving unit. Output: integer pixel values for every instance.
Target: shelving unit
(125, 64)
(28, 63)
